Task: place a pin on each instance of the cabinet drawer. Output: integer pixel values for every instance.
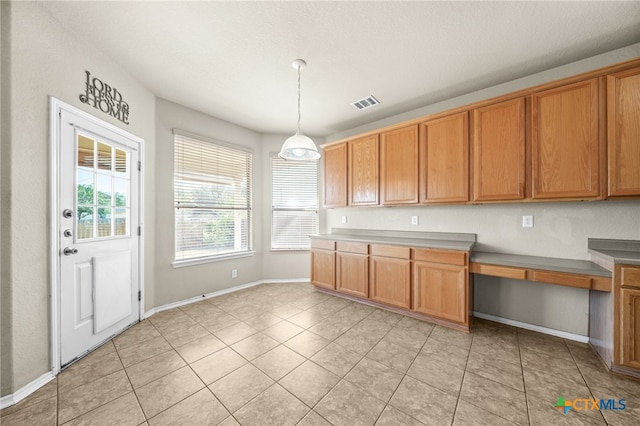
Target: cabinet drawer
(580, 281)
(359, 248)
(441, 256)
(498, 271)
(390, 251)
(323, 244)
(630, 276)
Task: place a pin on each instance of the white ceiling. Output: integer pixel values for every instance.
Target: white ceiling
(232, 60)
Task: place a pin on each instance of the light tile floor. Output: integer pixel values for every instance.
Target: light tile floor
(286, 354)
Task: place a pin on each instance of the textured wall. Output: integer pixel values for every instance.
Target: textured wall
(41, 59)
(175, 284)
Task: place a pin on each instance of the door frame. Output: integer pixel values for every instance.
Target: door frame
(56, 106)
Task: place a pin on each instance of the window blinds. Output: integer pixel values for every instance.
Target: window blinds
(212, 196)
(294, 200)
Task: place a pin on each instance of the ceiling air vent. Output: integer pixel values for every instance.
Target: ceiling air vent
(365, 103)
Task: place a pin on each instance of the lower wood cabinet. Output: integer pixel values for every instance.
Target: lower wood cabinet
(425, 283)
(323, 263)
(352, 269)
(390, 275)
(628, 281)
(630, 327)
(440, 290)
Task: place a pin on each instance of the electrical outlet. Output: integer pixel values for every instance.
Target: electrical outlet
(527, 221)
(234, 273)
(344, 219)
(414, 220)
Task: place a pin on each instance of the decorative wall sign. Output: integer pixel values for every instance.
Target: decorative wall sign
(105, 98)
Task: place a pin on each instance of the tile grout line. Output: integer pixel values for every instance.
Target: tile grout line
(586, 383)
(405, 374)
(524, 383)
(466, 364)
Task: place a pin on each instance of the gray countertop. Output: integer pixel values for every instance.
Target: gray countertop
(437, 240)
(569, 266)
(617, 251)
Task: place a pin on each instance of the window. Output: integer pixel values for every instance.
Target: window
(294, 203)
(212, 195)
(102, 192)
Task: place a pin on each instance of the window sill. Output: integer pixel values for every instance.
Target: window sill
(302, 250)
(210, 259)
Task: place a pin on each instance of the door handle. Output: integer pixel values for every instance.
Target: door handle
(68, 251)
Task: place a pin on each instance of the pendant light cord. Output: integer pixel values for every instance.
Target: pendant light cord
(299, 98)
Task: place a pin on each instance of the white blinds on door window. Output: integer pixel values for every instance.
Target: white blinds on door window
(294, 201)
(212, 195)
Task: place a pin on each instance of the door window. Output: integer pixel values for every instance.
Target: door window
(102, 192)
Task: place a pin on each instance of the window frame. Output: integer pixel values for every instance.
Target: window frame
(177, 206)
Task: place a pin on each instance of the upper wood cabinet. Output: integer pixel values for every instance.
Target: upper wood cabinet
(499, 151)
(444, 156)
(623, 115)
(335, 175)
(399, 166)
(565, 145)
(363, 171)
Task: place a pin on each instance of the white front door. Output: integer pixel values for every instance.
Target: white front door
(98, 233)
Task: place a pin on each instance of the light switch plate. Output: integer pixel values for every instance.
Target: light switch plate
(527, 221)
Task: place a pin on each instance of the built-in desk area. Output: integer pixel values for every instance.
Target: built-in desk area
(574, 273)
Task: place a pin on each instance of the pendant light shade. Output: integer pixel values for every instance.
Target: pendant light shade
(299, 147)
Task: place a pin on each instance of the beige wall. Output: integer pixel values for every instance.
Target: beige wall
(5, 289)
(40, 59)
(175, 284)
(560, 229)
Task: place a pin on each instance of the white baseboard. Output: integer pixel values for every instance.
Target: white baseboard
(25, 391)
(155, 310)
(532, 327)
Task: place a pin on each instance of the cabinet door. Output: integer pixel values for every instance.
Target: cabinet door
(444, 168)
(399, 166)
(630, 325)
(623, 114)
(390, 281)
(565, 142)
(352, 272)
(499, 151)
(335, 175)
(323, 268)
(441, 291)
(363, 171)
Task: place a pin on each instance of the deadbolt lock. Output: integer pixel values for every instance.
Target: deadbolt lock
(68, 251)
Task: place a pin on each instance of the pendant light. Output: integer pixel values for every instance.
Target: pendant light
(299, 147)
